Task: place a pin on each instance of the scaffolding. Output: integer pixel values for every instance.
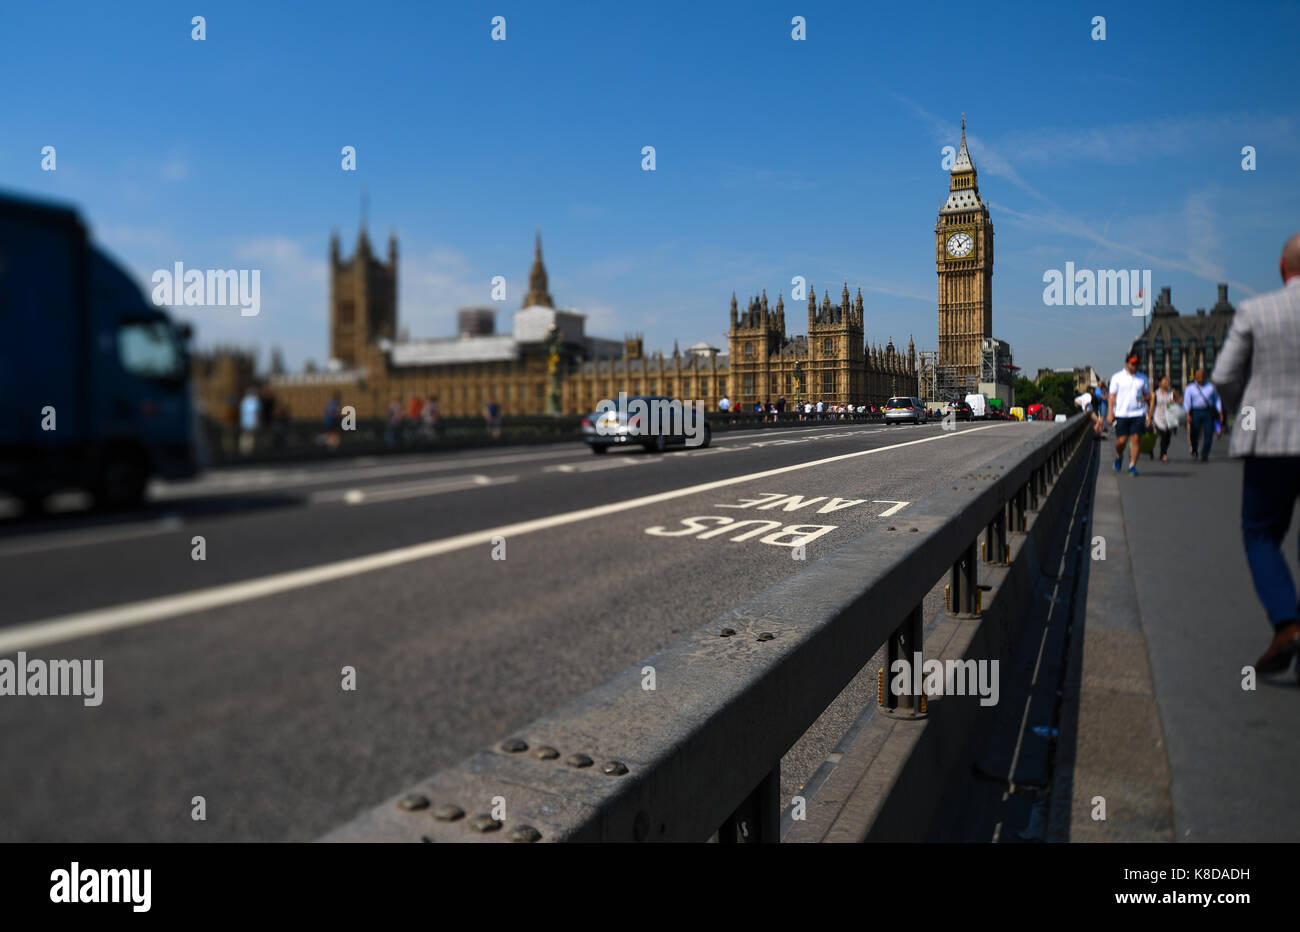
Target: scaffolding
(997, 366)
(952, 384)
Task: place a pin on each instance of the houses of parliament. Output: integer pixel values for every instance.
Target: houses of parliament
(370, 368)
(547, 347)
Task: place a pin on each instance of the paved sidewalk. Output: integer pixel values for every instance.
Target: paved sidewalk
(1160, 723)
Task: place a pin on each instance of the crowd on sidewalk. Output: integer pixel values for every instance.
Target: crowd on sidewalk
(1253, 393)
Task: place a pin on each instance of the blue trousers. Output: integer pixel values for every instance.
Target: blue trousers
(1269, 489)
(1203, 420)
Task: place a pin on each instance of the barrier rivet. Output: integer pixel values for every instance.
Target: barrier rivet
(448, 812)
(525, 833)
(727, 632)
(615, 768)
(514, 745)
(485, 823)
(766, 636)
(546, 752)
(579, 760)
(413, 801)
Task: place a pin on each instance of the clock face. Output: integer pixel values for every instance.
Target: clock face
(960, 245)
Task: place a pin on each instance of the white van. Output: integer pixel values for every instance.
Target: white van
(979, 406)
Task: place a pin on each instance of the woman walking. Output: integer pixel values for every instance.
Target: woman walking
(1164, 430)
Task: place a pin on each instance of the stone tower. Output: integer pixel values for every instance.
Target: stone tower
(363, 300)
(964, 260)
(835, 347)
(756, 337)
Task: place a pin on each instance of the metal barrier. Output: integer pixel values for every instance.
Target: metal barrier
(700, 751)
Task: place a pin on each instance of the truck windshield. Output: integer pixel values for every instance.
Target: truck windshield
(149, 349)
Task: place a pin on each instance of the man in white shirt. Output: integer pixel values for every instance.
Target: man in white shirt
(1129, 404)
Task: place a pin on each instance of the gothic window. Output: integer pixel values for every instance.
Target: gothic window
(749, 350)
(722, 387)
(828, 383)
(1209, 352)
(347, 312)
(828, 346)
(1176, 362)
(686, 386)
(747, 384)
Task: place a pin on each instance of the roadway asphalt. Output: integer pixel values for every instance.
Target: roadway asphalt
(223, 677)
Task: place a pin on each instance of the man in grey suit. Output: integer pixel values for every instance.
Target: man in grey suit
(1260, 364)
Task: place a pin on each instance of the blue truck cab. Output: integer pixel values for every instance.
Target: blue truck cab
(95, 379)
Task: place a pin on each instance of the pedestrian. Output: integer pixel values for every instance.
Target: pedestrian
(333, 416)
(1084, 403)
(250, 419)
(1160, 417)
(1204, 414)
(1259, 366)
(430, 417)
(1100, 404)
(1128, 407)
(492, 415)
(725, 404)
(393, 429)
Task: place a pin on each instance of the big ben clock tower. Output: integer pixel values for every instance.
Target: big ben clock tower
(964, 259)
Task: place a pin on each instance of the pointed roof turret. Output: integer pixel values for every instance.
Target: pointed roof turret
(537, 282)
(963, 185)
(963, 163)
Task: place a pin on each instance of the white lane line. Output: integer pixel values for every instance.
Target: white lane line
(620, 462)
(99, 621)
(265, 479)
(898, 506)
(390, 493)
(164, 525)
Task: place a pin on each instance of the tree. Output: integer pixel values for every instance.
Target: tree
(1057, 391)
(1027, 393)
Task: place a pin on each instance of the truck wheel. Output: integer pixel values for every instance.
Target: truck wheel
(122, 480)
(598, 448)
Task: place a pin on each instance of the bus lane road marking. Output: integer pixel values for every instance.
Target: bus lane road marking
(75, 625)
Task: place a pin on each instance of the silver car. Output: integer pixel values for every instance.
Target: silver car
(611, 428)
(905, 409)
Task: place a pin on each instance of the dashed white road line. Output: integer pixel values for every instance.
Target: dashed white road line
(388, 493)
(100, 621)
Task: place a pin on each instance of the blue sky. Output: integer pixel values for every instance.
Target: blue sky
(775, 158)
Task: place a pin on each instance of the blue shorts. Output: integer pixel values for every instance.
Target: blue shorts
(1130, 425)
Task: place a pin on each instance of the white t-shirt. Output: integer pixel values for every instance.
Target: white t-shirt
(1130, 393)
(1084, 401)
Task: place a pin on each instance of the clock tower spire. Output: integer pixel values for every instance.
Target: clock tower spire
(964, 262)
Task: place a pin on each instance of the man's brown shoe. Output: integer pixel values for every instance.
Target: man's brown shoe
(1286, 644)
